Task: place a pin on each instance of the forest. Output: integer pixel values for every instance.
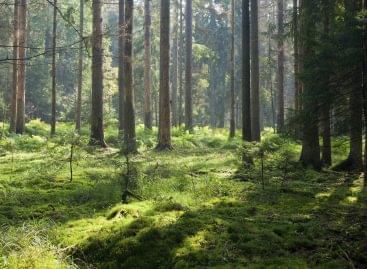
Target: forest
(183, 134)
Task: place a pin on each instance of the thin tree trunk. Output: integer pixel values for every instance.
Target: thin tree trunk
(80, 69)
(246, 89)
(22, 68)
(53, 72)
(175, 66)
(188, 70)
(297, 84)
(255, 87)
(270, 79)
(130, 136)
(164, 131)
(13, 109)
(121, 38)
(232, 127)
(180, 69)
(147, 67)
(280, 73)
(97, 132)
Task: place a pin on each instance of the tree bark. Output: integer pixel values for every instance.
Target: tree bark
(80, 69)
(255, 87)
(246, 88)
(97, 132)
(310, 142)
(121, 38)
(164, 130)
(53, 71)
(180, 69)
(13, 108)
(232, 124)
(21, 68)
(174, 76)
(130, 136)
(147, 67)
(280, 73)
(188, 70)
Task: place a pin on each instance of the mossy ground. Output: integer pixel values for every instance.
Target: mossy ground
(199, 208)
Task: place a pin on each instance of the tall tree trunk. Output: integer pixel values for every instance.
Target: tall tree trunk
(130, 136)
(188, 70)
(364, 92)
(310, 142)
(80, 68)
(280, 73)
(97, 132)
(121, 31)
(232, 124)
(164, 131)
(180, 69)
(270, 79)
(21, 68)
(174, 76)
(255, 86)
(246, 89)
(147, 67)
(13, 108)
(297, 84)
(325, 113)
(53, 72)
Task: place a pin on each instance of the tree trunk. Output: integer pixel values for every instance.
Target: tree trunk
(53, 72)
(297, 84)
(175, 66)
(13, 108)
(246, 89)
(97, 132)
(164, 130)
(188, 71)
(232, 124)
(130, 136)
(280, 73)
(80, 69)
(255, 92)
(21, 69)
(310, 142)
(147, 68)
(121, 38)
(180, 69)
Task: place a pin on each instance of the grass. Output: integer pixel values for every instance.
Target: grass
(201, 207)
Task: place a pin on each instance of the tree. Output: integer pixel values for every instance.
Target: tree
(13, 109)
(280, 73)
(130, 136)
(22, 68)
(80, 68)
(310, 154)
(53, 70)
(121, 31)
(232, 128)
(164, 128)
(97, 132)
(174, 76)
(188, 70)
(255, 86)
(180, 69)
(246, 90)
(147, 66)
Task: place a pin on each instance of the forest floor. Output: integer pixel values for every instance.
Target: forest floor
(200, 206)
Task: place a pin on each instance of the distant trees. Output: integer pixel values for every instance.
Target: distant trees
(280, 71)
(147, 65)
(121, 37)
(13, 105)
(129, 130)
(80, 68)
(53, 71)
(232, 123)
(188, 70)
(22, 66)
(164, 128)
(175, 64)
(97, 132)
